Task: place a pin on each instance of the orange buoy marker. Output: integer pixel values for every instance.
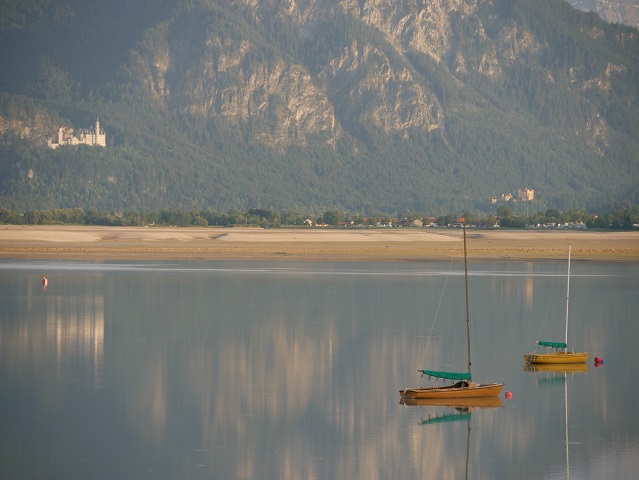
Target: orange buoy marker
(508, 395)
(599, 362)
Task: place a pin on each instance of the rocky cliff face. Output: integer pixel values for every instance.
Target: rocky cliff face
(294, 103)
(361, 83)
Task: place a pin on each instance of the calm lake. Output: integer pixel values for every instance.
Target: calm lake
(291, 370)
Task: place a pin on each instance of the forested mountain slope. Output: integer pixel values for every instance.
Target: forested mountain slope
(370, 105)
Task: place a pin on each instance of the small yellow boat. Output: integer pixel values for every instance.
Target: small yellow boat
(557, 358)
(459, 390)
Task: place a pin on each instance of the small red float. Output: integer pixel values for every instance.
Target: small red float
(508, 395)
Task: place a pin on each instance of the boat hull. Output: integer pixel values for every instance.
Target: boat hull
(469, 403)
(557, 357)
(482, 390)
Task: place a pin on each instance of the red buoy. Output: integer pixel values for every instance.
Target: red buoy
(508, 395)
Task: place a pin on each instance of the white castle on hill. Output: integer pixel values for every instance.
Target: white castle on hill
(84, 137)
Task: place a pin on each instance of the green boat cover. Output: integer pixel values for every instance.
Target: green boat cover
(447, 375)
(551, 380)
(447, 418)
(552, 344)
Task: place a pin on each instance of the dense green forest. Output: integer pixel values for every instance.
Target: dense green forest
(545, 97)
(622, 218)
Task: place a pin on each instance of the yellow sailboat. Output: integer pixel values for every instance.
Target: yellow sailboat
(464, 387)
(561, 355)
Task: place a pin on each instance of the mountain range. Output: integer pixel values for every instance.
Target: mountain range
(613, 11)
(361, 105)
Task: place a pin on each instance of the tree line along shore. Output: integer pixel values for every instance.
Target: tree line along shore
(620, 218)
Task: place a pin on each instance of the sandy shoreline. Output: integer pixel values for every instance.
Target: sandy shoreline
(129, 243)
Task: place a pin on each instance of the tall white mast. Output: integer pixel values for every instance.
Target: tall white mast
(567, 295)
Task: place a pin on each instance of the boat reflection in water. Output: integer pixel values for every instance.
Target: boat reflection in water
(461, 410)
(559, 375)
(558, 368)
(457, 403)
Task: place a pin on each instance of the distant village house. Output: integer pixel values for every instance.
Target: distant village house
(96, 137)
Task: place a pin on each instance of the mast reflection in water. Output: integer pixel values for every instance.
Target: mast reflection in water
(287, 370)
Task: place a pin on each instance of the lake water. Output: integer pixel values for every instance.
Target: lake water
(291, 370)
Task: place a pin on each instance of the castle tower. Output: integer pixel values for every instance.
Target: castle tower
(100, 137)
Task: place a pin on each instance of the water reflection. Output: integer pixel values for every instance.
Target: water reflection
(553, 374)
(54, 331)
(245, 370)
(557, 368)
(459, 403)
(446, 411)
(75, 327)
